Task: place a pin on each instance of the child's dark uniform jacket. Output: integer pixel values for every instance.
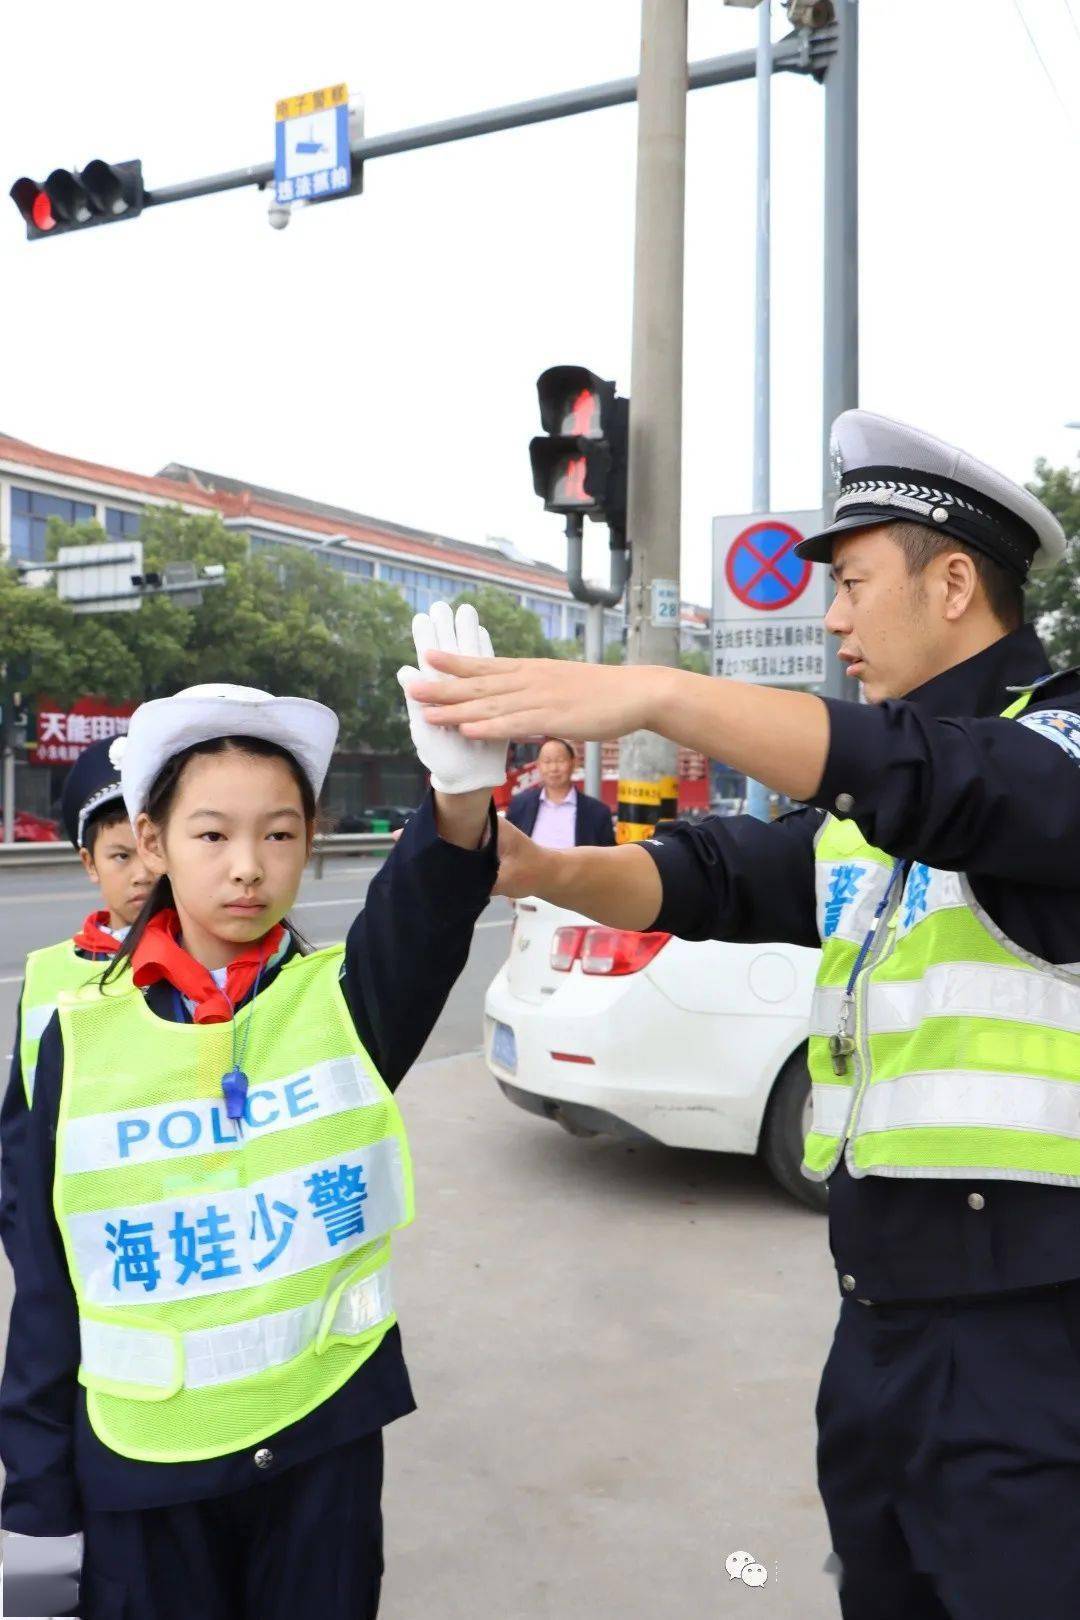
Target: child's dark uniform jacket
(403, 954)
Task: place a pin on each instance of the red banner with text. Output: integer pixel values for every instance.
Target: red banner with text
(64, 731)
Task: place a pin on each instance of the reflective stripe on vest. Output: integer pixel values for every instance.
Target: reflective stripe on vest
(967, 1047)
(230, 1276)
(113, 1353)
(48, 972)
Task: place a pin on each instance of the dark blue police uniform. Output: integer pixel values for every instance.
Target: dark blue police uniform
(173, 1532)
(949, 1410)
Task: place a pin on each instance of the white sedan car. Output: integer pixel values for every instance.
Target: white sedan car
(696, 1045)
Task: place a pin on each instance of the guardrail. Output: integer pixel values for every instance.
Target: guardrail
(47, 856)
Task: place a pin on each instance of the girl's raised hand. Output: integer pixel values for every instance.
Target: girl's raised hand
(457, 763)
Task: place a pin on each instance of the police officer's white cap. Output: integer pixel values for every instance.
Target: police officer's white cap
(166, 726)
(887, 471)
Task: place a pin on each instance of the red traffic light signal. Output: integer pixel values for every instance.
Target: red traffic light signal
(33, 204)
(570, 473)
(573, 401)
(579, 463)
(72, 199)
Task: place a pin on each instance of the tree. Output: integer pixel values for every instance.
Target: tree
(1053, 598)
(44, 647)
(284, 620)
(515, 631)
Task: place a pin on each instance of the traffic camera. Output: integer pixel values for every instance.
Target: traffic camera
(811, 13)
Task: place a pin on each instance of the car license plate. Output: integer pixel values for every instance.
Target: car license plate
(504, 1048)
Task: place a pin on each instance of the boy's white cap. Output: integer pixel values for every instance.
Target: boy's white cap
(166, 726)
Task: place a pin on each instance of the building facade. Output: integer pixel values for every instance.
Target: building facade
(36, 484)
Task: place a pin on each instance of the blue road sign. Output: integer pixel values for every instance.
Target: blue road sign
(312, 157)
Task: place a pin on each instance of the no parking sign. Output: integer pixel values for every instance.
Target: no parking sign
(768, 604)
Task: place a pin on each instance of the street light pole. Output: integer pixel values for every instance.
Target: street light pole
(762, 334)
(648, 781)
(840, 370)
(757, 794)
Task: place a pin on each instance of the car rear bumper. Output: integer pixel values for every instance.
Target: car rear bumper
(580, 1119)
(641, 1080)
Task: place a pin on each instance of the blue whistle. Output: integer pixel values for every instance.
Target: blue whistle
(235, 1087)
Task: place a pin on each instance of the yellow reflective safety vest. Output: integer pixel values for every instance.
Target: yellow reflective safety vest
(50, 971)
(228, 1280)
(964, 1047)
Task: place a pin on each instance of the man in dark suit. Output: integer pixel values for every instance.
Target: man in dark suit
(555, 814)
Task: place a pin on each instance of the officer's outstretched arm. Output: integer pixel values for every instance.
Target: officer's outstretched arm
(780, 738)
(620, 887)
(730, 877)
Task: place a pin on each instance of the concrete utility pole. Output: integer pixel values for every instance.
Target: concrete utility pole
(840, 373)
(648, 782)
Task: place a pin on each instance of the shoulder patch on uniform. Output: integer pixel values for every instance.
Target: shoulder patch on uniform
(1062, 726)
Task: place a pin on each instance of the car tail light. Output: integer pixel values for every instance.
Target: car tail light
(615, 951)
(566, 948)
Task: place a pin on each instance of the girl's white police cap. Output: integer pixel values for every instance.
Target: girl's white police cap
(887, 471)
(166, 726)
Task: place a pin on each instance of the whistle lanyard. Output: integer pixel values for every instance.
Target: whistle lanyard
(864, 949)
(234, 1082)
(842, 1044)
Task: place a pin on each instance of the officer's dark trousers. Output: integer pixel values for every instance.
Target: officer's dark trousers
(949, 1458)
(308, 1542)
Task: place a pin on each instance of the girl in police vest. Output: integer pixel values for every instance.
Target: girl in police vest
(203, 1349)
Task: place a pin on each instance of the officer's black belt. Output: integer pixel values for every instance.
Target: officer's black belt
(966, 1301)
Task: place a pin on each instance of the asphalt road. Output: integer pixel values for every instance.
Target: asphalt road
(615, 1348)
(38, 908)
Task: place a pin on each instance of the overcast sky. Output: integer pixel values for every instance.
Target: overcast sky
(382, 351)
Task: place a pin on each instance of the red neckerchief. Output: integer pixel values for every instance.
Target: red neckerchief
(159, 955)
(93, 936)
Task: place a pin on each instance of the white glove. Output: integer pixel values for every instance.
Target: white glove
(457, 764)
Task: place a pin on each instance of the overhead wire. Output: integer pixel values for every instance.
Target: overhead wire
(1071, 17)
(1042, 60)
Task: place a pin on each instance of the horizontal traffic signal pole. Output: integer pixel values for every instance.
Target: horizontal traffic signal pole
(798, 52)
(149, 593)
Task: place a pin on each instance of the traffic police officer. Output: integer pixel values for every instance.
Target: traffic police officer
(936, 864)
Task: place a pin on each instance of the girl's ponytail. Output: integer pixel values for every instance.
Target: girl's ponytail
(160, 898)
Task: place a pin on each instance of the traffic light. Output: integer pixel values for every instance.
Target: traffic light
(579, 462)
(75, 199)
